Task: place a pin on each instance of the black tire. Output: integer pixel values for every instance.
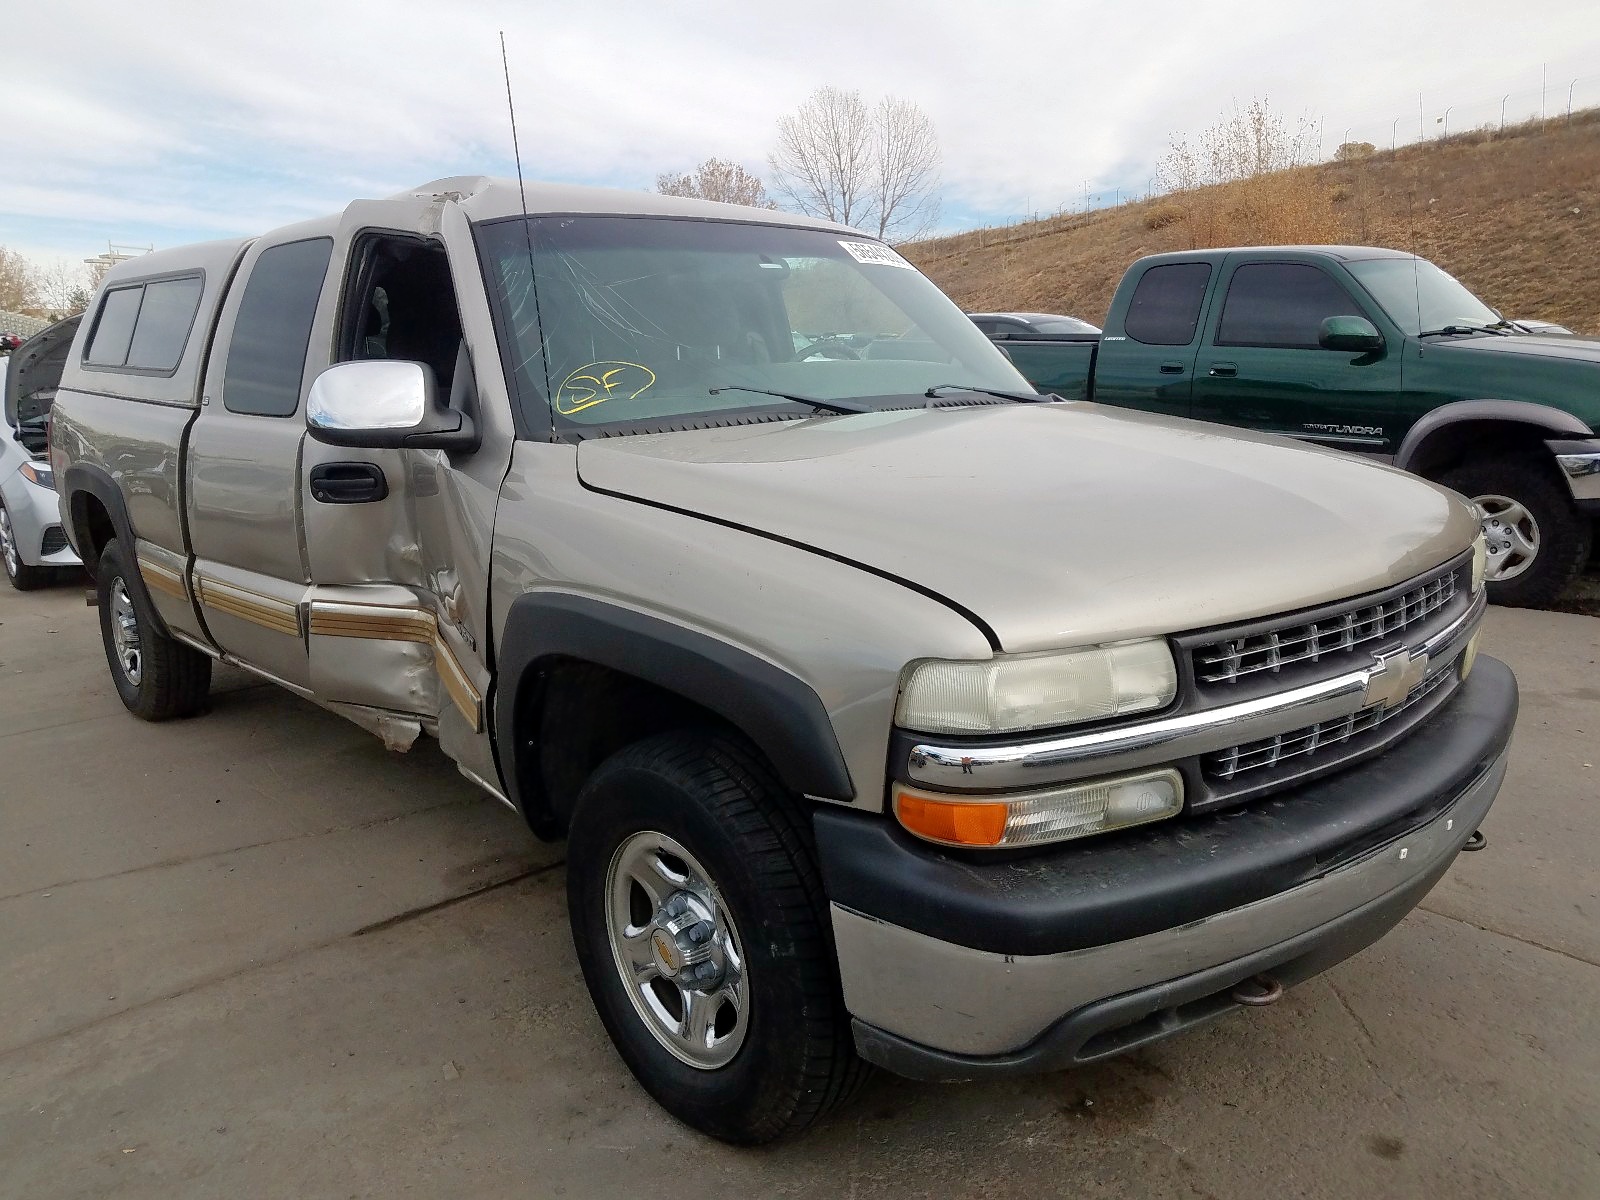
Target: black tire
(21, 576)
(1564, 533)
(720, 803)
(172, 679)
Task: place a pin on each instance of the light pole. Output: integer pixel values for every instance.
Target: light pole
(1570, 86)
(1446, 119)
(1422, 130)
(1394, 134)
(1503, 100)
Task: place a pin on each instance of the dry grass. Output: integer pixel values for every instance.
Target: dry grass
(1514, 215)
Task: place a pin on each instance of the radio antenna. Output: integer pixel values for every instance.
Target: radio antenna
(527, 230)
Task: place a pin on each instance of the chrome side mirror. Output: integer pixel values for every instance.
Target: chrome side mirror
(382, 405)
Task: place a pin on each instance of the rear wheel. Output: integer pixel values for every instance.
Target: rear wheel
(23, 577)
(157, 677)
(1537, 540)
(699, 919)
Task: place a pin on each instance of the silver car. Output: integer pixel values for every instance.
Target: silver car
(33, 545)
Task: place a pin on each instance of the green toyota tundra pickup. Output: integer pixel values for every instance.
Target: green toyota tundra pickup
(1368, 350)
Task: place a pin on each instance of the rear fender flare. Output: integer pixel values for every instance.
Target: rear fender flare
(83, 480)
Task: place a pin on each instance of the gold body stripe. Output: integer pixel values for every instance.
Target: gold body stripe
(265, 611)
(390, 623)
(161, 578)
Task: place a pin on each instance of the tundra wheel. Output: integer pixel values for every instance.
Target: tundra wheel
(1537, 540)
(700, 924)
(156, 677)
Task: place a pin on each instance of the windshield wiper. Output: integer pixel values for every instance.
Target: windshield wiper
(1444, 330)
(1020, 397)
(837, 406)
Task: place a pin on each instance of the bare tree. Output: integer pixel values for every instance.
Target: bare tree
(1243, 144)
(715, 179)
(906, 170)
(877, 168)
(1247, 180)
(19, 282)
(64, 287)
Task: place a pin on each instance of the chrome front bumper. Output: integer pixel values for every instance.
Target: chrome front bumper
(956, 1003)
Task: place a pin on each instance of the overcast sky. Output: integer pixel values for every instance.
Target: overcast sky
(161, 123)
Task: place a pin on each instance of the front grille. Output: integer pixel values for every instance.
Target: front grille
(55, 540)
(1341, 738)
(1293, 646)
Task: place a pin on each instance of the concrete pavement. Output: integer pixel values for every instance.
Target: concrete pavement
(254, 954)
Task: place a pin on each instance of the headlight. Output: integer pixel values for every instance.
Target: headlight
(1051, 815)
(1036, 691)
(1470, 654)
(39, 473)
(1480, 559)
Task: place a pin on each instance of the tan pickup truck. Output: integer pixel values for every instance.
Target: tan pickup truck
(893, 712)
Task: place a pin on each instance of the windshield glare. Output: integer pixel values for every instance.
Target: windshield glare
(643, 316)
(1418, 296)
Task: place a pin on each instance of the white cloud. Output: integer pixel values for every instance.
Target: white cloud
(181, 120)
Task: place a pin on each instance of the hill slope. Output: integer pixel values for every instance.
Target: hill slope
(1514, 215)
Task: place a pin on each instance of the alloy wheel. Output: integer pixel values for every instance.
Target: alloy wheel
(1512, 536)
(677, 950)
(125, 633)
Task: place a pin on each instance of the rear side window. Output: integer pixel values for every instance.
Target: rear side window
(164, 321)
(1281, 305)
(1165, 310)
(144, 327)
(113, 327)
(267, 354)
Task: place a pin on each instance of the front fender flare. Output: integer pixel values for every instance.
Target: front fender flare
(1553, 422)
(780, 713)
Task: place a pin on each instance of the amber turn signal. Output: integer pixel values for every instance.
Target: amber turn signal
(963, 824)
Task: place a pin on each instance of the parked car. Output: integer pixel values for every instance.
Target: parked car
(892, 712)
(1529, 326)
(33, 545)
(1365, 350)
(1006, 325)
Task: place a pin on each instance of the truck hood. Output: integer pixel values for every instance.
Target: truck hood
(1056, 525)
(35, 371)
(1573, 349)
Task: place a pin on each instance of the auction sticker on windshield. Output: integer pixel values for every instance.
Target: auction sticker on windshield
(875, 253)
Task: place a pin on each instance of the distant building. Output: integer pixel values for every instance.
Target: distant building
(115, 253)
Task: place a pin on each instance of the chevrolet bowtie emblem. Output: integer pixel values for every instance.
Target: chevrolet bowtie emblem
(1393, 676)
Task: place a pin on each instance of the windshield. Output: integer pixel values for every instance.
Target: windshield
(1418, 296)
(642, 316)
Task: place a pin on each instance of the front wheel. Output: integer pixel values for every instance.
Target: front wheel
(700, 923)
(1537, 540)
(22, 577)
(157, 677)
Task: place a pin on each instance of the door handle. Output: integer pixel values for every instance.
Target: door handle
(1223, 370)
(348, 483)
(1172, 368)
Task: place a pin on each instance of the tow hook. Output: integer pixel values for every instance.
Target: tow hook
(1258, 991)
(1476, 842)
